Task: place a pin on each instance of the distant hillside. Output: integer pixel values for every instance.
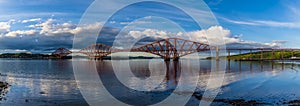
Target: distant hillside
(266, 55)
(27, 56)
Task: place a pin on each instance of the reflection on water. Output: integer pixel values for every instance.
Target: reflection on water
(40, 82)
(51, 82)
(269, 82)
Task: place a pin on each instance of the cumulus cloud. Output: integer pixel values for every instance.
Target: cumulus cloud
(44, 36)
(214, 34)
(52, 34)
(51, 28)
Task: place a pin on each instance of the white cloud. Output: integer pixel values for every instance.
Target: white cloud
(214, 2)
(87, 28)
(14, 51)
(265, 23)
(213, 33)
(32, 20)
(52, 33)
(136, 22)
(28, 15)
(275, 43)
(49, 27)
(239, 22)
(278, 24)
(19, 32)
(4, 27)
(150, 33)
(31, 26)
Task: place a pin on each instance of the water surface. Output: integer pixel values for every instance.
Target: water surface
(52, 82)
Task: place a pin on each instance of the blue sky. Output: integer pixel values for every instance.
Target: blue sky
(43, 25)
(260, 20)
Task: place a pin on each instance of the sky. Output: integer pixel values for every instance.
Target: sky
(41, 26)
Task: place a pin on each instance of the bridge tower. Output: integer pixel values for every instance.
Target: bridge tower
(61, 52)
(97, 51)
(173, 48)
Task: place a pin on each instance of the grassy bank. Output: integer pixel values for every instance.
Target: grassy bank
(266, 55)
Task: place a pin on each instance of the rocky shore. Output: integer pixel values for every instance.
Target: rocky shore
(3, 90)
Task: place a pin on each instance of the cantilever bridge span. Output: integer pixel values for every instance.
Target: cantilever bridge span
(170, 48)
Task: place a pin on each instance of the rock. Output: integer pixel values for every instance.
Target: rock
(3, 87)
(293, 102)
(42, 93)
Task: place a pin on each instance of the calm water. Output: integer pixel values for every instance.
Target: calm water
(52, 82)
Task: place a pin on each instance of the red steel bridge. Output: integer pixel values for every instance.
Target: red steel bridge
(170, 48)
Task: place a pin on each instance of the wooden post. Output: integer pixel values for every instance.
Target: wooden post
(261, 66)
(228, 55)
(217, 53)
(240, 66)
(281, 54)
(261, 54)
(229, 65)
(229, 61)
(250, 65)
(272, 65)
(240, 54)
(292, 52)
(272, 54)
(282, 65)
(251, 54)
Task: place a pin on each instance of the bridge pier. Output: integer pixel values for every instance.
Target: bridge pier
(176, 59)
(169, 59)
(95, 58)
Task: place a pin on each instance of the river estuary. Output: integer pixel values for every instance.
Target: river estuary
(52, 82)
